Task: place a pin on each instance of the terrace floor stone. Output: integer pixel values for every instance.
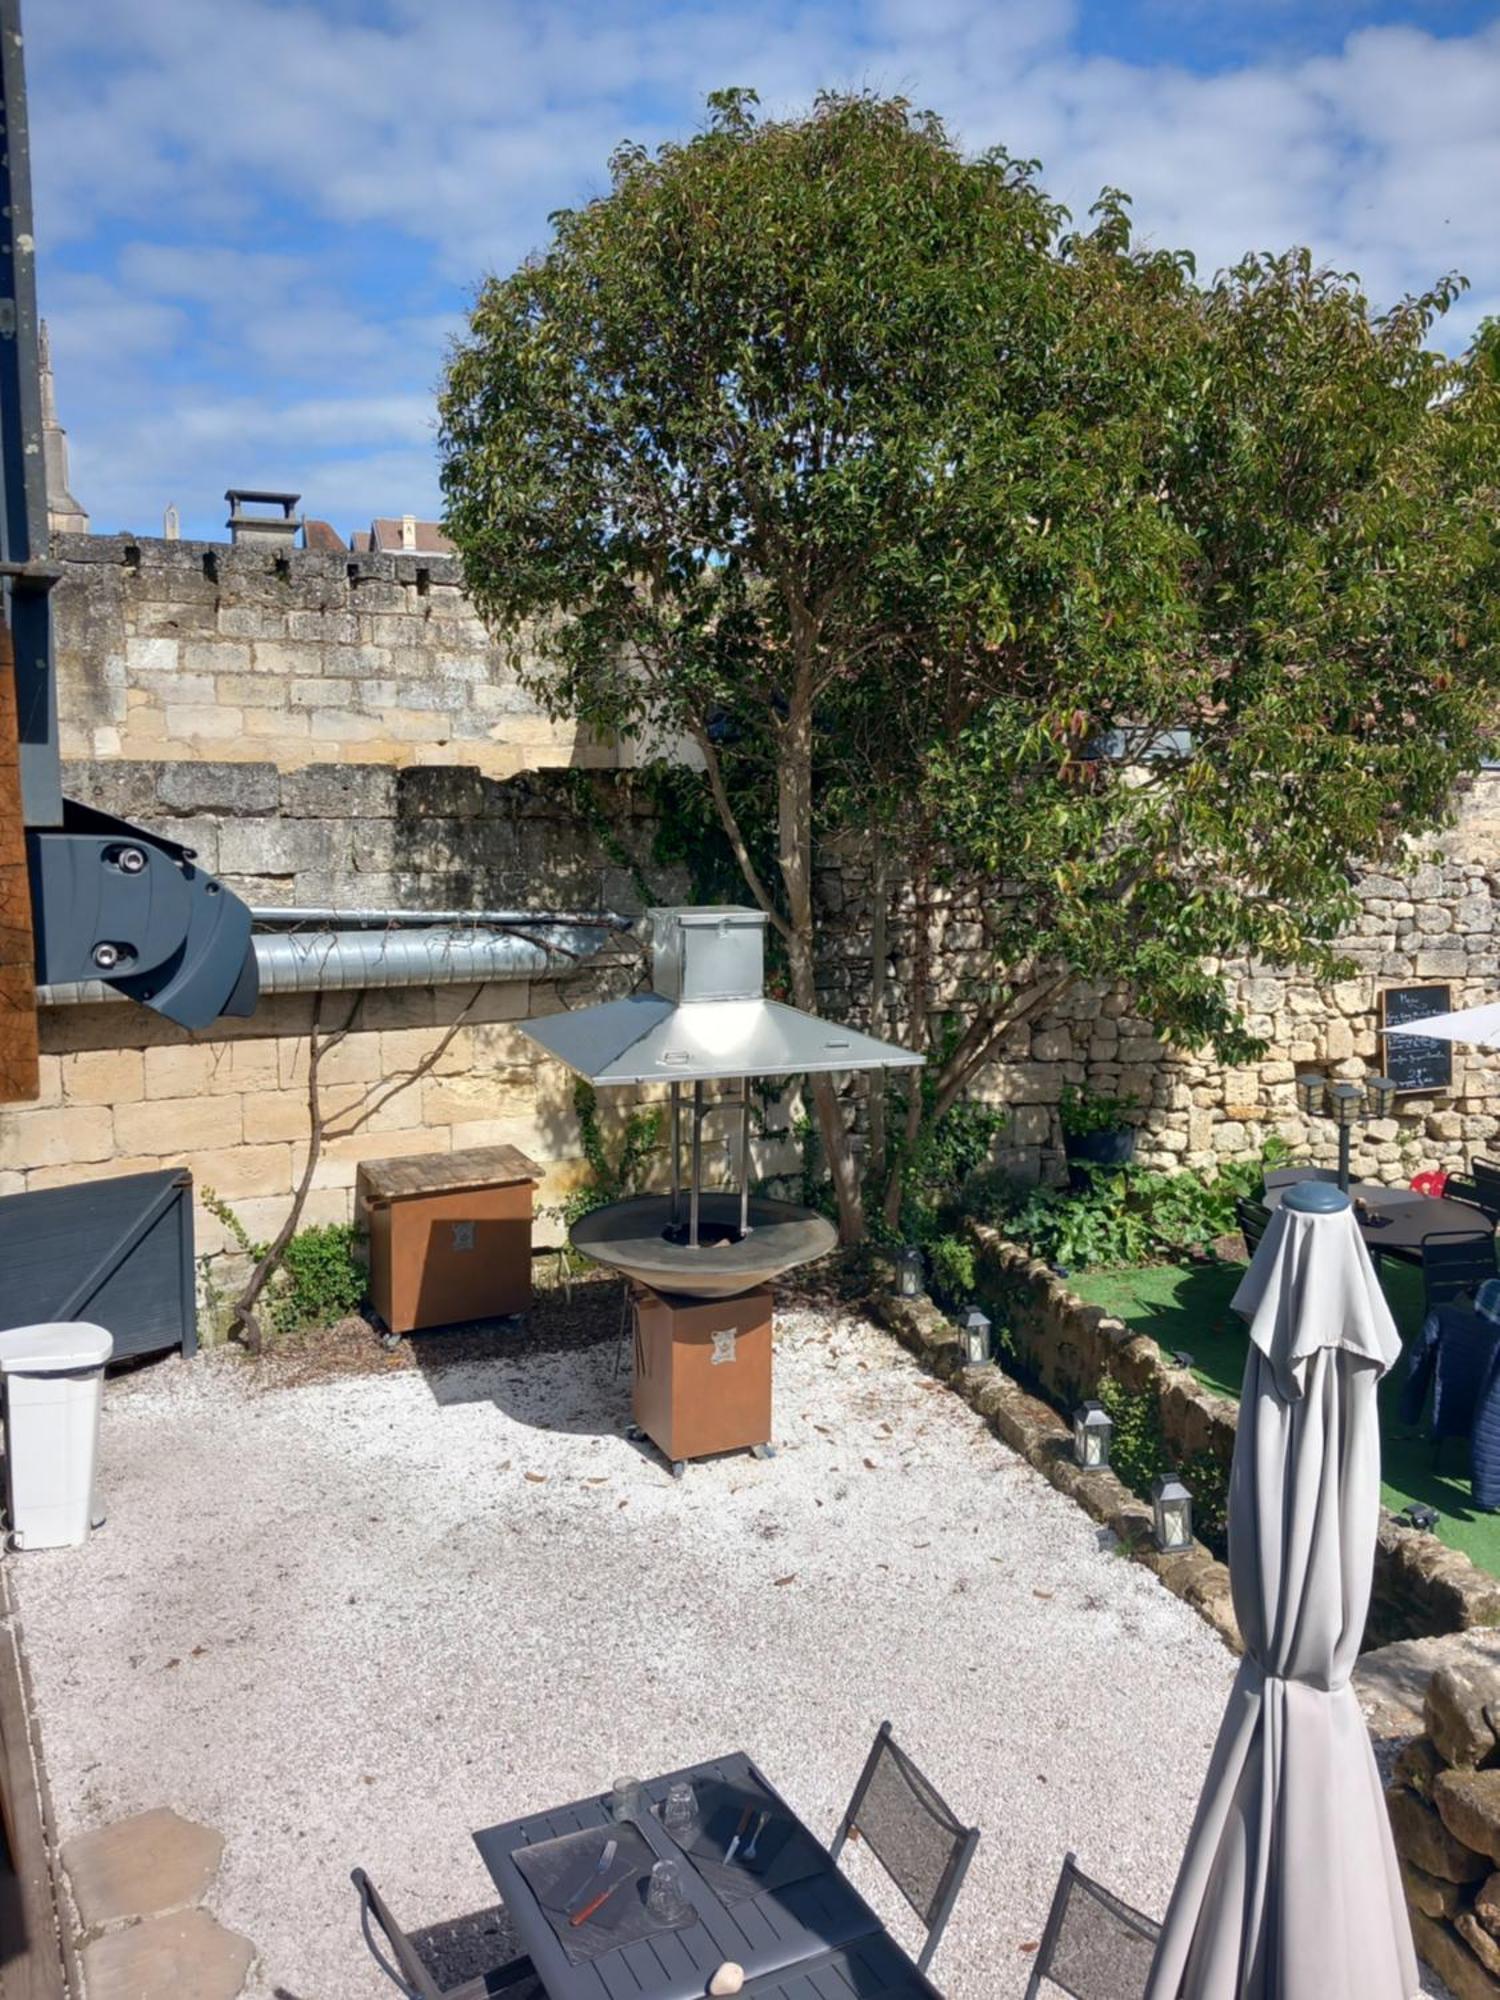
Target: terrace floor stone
(168, 1958)
(141, 1866)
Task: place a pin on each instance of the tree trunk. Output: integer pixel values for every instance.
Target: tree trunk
(917, 1026)
(794, 845)
(879, 950)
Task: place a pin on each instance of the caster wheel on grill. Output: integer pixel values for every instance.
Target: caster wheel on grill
(679, 1466)
(763, 1451)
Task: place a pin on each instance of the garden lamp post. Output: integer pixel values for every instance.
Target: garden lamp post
(1347, 1104)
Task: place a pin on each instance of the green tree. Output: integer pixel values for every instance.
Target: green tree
(1007, 544)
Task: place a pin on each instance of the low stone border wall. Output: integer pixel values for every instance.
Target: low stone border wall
(1041, 1437)
(1444, 1803)
(1421, 1586)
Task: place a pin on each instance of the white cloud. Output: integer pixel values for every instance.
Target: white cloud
(263, 213)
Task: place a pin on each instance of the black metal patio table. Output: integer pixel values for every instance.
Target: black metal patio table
(1400, 1219)
(816, 1927)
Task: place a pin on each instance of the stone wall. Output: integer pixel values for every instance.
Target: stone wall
(1067, 1348)
(199, 649)
(1437, 919)
(1444, 1803)
(123, 1090)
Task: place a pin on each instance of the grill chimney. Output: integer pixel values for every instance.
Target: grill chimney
(262, 531)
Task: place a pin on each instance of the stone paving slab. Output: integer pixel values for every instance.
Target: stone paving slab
(139, 1867)
(185, 1956)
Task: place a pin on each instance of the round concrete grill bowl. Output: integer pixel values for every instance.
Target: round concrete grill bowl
(629, 1237)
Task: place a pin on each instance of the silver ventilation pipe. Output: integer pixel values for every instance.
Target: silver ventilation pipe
(280, 917)
(328, 961)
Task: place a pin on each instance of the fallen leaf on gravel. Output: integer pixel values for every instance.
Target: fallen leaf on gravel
(870, 1465)
(623, 1503)
(824, 1429)
(504, 1466)
(602, 1480)
(785, 1579)
(1034, 1945)
(537, 1478)
(1044, 1593)
(174, 1663)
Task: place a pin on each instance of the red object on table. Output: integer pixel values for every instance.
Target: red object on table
(1432, 1181)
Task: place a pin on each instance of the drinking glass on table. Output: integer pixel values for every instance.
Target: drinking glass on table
(664, 1897)
(680, 1810)
(625, 1798)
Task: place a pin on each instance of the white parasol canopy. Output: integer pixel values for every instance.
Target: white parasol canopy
(1289, 1889)
(1479, 1026)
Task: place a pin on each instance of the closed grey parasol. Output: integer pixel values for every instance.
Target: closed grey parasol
(1289, 1889)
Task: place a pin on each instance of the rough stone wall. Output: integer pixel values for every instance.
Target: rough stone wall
(1437, 919)
(200, 649)
(1444, 1803)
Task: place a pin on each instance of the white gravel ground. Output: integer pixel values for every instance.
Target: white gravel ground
(355, 1620)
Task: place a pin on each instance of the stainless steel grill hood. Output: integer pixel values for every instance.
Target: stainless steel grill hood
(706, 1018)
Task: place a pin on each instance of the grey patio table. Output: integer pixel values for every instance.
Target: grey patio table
(1403, 1218)
(800, 1929)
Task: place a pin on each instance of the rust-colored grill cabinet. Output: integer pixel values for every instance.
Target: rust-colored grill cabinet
(450, 1235)
(703, 1371)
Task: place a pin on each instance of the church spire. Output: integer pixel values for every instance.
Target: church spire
(64, 515)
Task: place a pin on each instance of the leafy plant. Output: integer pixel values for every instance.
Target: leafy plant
(1139, 1455)
(1130, 1217)
(1083, 1111)
(319, 1279)
(951, 1270)
(612, 1176)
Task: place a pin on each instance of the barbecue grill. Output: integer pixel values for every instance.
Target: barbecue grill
(705, 1020)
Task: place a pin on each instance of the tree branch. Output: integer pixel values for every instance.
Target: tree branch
(736, 838)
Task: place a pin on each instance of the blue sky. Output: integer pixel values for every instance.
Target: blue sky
(259, 220)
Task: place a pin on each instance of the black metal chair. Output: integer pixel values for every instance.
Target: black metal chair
(1254, 1219)
(1455, 1263)
(915, 1836)
(1464, 1188)
(1095, 1947)
(408, 1974)
(1485, 1175)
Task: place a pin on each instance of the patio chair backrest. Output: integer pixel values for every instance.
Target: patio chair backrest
(1095, 1947)
(915, 1836)
(408, 1975)
(1486, 1177)
(1254, 1219)
(1455, 1263)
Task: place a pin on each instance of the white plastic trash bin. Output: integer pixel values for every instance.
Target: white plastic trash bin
(54, 1378)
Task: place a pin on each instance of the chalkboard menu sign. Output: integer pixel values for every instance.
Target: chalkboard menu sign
(1415, 1062)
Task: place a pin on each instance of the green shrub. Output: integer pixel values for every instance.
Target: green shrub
(1129, 1217)
(951, 1272)
(320, 1281)
(1082, 1111)
(1139, 1456)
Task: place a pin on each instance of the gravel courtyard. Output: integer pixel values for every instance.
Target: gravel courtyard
(349, 1620)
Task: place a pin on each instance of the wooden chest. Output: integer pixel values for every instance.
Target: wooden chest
(450, 1235)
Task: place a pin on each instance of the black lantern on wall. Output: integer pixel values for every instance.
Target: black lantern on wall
(1347, 1104)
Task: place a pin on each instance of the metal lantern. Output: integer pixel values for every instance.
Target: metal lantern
(1093, 1429)
(976, 1337)
(1345, 1102)
(1310, 1089)
(909, 1273)
(1420, 1515)
(1172, 1512)
(1381, 1093)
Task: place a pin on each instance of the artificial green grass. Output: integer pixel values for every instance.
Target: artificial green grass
(1185, 1308)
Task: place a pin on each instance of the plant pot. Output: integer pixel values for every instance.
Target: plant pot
(1112, 1148)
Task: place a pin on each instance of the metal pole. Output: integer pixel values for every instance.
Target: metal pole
(697, 1180)
(676, 1151)
(744, 1156)
(1344, 1133)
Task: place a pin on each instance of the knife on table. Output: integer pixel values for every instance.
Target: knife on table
(739, 1833)
(606, 1855)
(583, 1915)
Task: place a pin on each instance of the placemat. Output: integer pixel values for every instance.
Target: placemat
(785, 1851)
(558, 1871)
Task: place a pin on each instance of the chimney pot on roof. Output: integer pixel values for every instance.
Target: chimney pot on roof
(267, 530)
(408, 531)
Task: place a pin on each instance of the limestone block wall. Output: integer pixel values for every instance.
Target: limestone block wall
(422, 1070)
(205, 650)
(1437, 919)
